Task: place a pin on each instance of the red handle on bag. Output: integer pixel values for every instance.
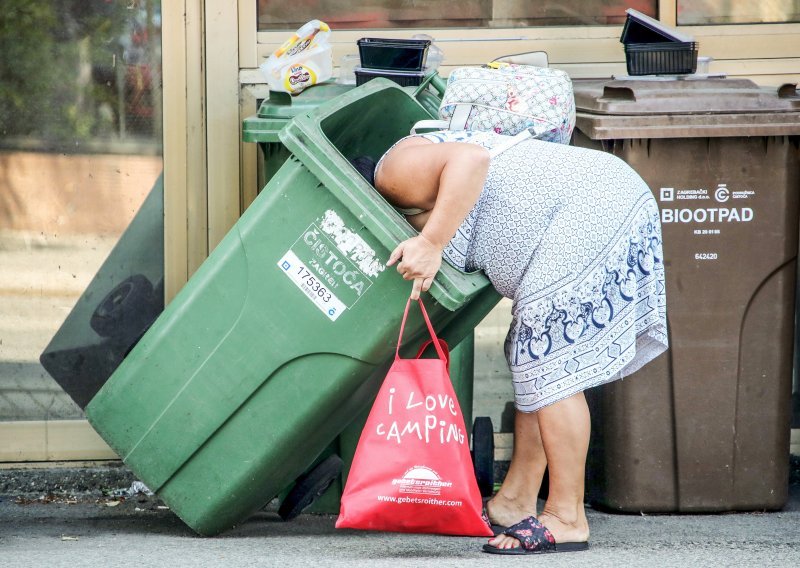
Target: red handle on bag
(445, 348)
(434, 339)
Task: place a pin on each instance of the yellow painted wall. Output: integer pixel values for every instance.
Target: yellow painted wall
(769, 54)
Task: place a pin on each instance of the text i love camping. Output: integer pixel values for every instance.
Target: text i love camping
(430, 418)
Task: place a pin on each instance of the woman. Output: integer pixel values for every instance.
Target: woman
(573, 237)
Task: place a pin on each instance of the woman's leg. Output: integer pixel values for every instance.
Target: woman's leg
(517, 497)
(564, 428)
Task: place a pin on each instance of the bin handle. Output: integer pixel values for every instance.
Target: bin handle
(434, 80)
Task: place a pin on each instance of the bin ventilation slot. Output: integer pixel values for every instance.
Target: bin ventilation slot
(788, 91)
(619, 93)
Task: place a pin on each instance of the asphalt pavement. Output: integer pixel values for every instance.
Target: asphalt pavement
(76, 517)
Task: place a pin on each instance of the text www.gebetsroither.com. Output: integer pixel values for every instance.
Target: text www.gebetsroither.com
(419, 501)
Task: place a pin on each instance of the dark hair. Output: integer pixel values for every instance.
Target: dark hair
(366, 167)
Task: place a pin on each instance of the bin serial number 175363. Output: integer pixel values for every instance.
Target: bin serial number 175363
(313, 284)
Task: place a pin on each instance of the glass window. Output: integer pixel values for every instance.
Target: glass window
(81, 212)
(344, 14)
(726, 12)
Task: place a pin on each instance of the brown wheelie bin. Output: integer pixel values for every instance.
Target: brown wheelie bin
(706, 427)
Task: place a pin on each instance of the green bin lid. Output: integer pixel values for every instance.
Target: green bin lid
(668, 108)
(286, 106)
(279, 108)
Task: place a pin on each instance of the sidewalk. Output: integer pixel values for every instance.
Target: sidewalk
(76, 525)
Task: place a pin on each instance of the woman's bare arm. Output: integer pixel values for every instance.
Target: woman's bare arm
(446, 179)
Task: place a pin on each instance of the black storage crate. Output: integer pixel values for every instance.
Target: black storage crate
(393, 54)
(663, 58)
(402, 78)
(640, 28)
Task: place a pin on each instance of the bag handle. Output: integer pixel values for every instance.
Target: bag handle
(445, 348)
(435, 339)
(495, 151)
(429, 124)
(457, 122)
(511, 141)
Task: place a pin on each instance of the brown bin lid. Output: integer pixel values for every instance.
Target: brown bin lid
(669, 108)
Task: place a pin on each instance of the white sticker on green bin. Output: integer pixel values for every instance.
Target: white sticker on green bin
(302, 275)
(331, 264)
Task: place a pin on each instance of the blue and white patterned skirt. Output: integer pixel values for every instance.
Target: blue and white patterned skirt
(573, 237)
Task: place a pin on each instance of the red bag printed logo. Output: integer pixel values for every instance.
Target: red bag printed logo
(412, 470)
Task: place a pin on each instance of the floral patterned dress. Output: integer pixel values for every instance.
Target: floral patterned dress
(573, 236)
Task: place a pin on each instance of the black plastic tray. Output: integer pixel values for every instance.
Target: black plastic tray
(402, 78)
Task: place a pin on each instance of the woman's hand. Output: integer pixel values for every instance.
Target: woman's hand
(420, 260)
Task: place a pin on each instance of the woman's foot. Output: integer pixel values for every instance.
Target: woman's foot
(506, 512)
(575, 528)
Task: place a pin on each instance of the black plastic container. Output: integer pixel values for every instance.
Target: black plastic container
(641, 28)
(679, 58)
(654, 49)
(402, 78)
(393, 54)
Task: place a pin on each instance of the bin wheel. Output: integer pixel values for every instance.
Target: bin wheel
(310, 486)
(123, 307)
(158, 307)
(135, 340)
(483, 454)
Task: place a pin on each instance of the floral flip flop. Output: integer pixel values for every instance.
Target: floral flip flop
(534, 538)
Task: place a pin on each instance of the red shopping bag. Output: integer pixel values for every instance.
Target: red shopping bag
(412, 470)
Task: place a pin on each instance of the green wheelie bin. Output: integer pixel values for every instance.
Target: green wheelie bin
(124, 297)
(274, 113)
(284, 334)
(263, 128)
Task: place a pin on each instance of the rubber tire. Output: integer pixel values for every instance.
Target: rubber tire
(483, 454)
(133, 343)
(126, 306)
(309, 486)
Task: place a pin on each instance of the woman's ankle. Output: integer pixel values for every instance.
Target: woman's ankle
(506, 511)
(573, 515)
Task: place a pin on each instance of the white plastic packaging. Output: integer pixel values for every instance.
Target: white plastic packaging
(435, 54)
(305, 59)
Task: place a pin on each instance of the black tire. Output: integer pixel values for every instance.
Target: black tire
(483, 454)
(126, 310)
(310, 486)
(128, 348)
(157, 306)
